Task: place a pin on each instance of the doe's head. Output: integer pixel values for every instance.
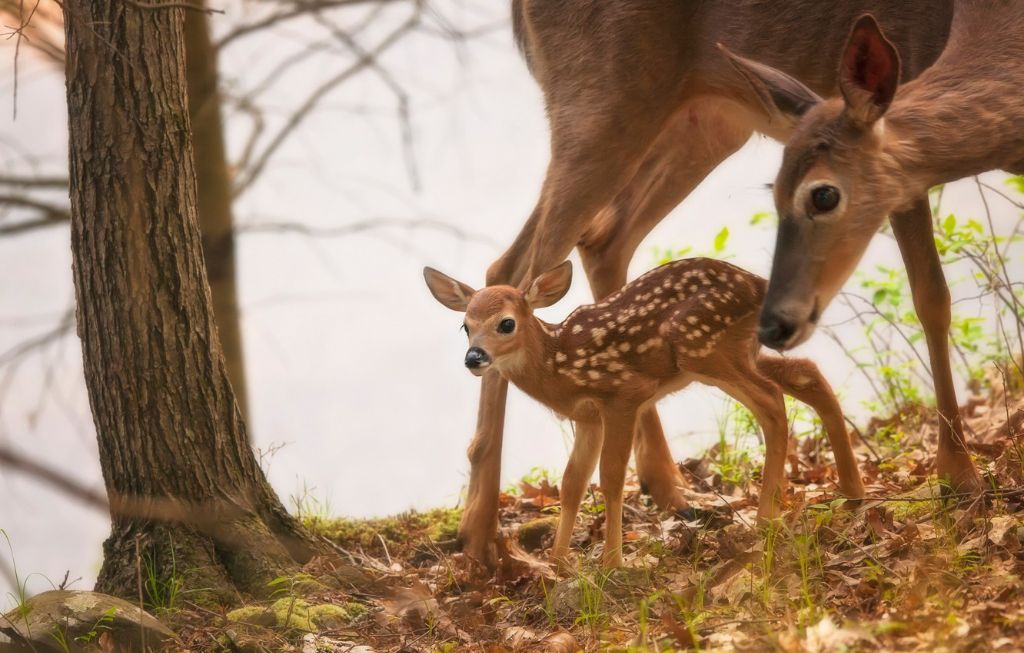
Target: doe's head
(836, 184)
(498, 319)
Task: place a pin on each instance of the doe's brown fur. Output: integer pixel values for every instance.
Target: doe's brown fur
(880, 147)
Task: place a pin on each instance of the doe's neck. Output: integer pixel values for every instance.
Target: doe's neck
(963, 116)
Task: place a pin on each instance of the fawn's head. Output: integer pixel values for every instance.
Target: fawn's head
(835, 186)
(498, 320)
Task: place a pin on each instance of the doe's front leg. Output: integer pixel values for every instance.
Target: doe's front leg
(619, 430)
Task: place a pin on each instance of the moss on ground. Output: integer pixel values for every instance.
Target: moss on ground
(298, 614)
(398, 532)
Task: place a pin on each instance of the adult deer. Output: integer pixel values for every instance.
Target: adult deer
(686, 321)
(642, 106)
(875, 152)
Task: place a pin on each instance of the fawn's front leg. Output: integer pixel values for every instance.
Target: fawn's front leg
(619, 429)
(585, 450)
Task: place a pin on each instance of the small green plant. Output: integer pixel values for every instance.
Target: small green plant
(536, 476)
(307, 507)
(771, 534)
(20, 594)
(732, 459)
(162, 586)
(591, 588)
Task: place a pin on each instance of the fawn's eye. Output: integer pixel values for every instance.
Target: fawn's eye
(824, 198)
(508, 325)
(464, 328)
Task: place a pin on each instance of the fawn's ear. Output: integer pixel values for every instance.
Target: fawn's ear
(453, 294)
(785, 99)
(551, 286)
(869, 72)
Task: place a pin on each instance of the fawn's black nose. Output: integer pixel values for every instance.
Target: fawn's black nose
(476, 357)
(775, 330)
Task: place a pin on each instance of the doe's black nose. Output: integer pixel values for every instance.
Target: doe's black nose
(775, 331)
(476, 357)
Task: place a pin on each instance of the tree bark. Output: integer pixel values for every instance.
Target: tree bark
(167, 421)
(216, 222)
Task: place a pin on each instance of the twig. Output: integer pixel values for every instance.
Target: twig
(138, 580)
(867, 553)
(361, 226)
(863, 439)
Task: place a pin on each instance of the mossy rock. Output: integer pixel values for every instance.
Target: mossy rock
(298, 614)
(78, 619)
(533, 534)
(253, 615)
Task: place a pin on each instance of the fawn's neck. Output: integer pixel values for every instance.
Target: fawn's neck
(964, 115)
(534, 372)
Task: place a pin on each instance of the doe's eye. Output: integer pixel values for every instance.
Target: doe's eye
(824, 198)
(508, 325)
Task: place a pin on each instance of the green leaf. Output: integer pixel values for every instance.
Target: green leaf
(1016, 182)
(949, 224)
(721, 239)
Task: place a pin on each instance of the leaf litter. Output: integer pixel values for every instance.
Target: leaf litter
(905, 570)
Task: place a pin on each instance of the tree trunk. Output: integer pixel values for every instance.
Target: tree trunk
(216, 222)
(167, 421)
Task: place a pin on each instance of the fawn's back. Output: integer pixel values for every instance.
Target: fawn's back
(658, 326)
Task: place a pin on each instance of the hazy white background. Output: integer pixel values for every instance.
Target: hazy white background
(351, 363)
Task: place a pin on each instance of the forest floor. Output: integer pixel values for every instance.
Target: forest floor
(903, 571)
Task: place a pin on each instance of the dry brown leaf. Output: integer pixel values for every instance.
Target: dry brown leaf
(561, 642)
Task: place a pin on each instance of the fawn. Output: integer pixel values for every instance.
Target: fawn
(689, 320)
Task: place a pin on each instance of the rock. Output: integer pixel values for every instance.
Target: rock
(318, 644)
(533, 534)
(80, 620)
(565, 598)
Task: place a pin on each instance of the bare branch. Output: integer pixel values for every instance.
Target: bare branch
(311, 102)
(401, 96)
(298, 8)
(50, 215)
(43, 339)
(174, 5)
(45, 32)
(33, 182)
(163, 509)
(363, 226)
(25, 226)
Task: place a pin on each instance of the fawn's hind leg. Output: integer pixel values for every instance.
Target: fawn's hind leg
(764, 399)
(801, 379)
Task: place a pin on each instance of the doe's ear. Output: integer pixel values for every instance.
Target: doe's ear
(869, 72)
(453, 294)
(551, 286)
(784, 98)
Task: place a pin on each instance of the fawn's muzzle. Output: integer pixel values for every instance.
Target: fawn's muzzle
(477, 358)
